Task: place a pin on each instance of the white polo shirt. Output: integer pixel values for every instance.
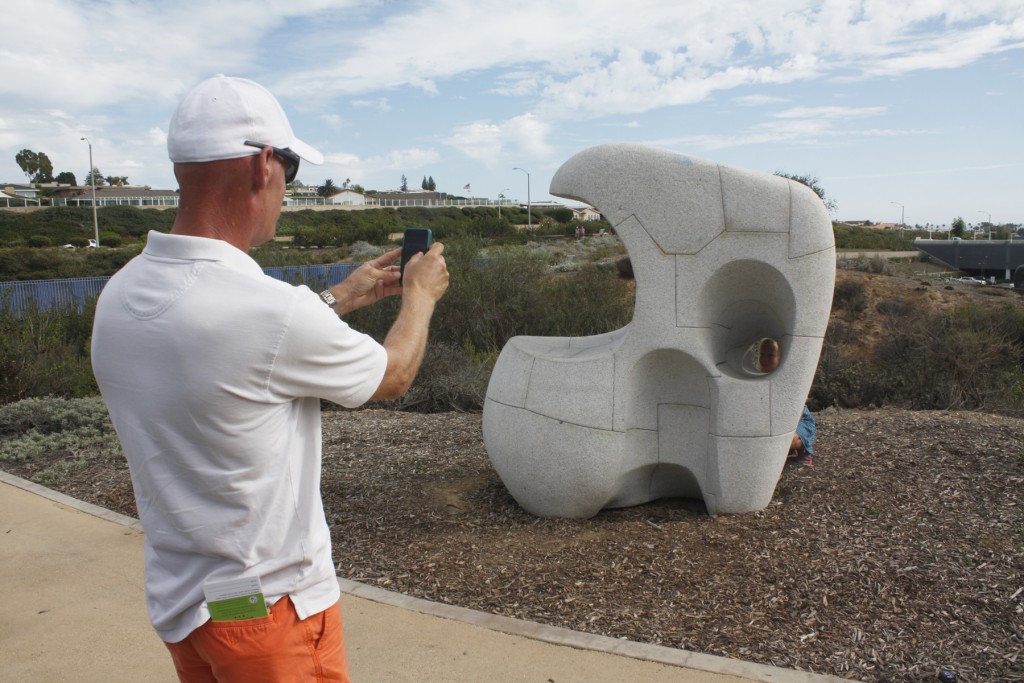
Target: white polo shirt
(213, 375)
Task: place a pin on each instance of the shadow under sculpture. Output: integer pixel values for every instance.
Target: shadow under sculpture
(665, 407)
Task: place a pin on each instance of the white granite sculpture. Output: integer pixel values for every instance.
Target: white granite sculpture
(666, 406)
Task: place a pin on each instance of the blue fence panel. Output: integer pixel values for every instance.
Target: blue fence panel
(74, 292)
(316, 277)
(50, 294)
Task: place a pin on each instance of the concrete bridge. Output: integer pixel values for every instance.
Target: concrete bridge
(987, 258)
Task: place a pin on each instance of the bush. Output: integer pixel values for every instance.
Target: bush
(36, 428)
(60, 224)
(487, 304)
(970, 358)
(850, 296)
(37, 241)
(878, 265)
(45, 352)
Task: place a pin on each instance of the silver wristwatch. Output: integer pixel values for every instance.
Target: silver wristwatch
(328, 298)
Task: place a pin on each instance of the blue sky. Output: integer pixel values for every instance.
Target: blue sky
(920, 103)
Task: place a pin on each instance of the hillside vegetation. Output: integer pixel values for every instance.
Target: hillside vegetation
(31, 243)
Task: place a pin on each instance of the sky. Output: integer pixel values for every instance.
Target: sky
(910, 110)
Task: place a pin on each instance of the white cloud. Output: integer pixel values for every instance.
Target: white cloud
(810, 131)
(343, 164)
(85, 54)
(829, 112)
(758, 100)
(380, 104)
(488, 142)
(333, 121)
(659, 55)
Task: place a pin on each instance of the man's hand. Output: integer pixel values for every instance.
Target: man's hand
(371, 282)
(426, 279)
(427, 273)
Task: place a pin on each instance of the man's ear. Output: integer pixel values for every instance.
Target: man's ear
(261, 168)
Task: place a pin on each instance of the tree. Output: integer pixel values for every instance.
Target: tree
(423, 185)
(431, 185)
(45, 173)
(958, 228)
(28, 162)
(813, 183)
(95, 173)
(36, 166)
(404, 187)
(344, 185)
(117, 180)
(328, 189)
(66, 178)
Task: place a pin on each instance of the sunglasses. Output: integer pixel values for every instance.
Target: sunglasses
(290, 159)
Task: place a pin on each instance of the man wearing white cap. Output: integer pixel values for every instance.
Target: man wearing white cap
(213, 375)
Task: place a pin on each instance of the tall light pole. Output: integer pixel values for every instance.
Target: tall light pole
(501, 195)
(529, 216)
(92, 176)
(989, 225)
(903, 213)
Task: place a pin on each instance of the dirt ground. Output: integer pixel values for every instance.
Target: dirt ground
(898, 554)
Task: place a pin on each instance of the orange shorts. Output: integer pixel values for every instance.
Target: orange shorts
(278, 648)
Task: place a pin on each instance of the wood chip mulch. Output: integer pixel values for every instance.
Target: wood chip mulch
(899, 554)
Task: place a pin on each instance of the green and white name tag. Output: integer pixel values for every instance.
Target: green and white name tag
(236, 599)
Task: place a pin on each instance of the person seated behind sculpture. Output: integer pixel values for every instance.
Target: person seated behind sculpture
(801, 449)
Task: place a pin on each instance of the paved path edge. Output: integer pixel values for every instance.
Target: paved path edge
(542, 632)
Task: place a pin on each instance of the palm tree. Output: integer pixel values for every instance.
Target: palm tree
(328, 189)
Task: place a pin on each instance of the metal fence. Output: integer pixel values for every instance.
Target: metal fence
(73, 293)
(66, 294)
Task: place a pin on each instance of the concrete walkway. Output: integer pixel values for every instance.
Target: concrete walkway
(74, 610)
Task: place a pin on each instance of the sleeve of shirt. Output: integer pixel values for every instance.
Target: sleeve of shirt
(321, 356)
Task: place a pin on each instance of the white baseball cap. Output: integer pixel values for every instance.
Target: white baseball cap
(216, 117)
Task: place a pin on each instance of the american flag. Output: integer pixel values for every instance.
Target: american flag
(466, 187)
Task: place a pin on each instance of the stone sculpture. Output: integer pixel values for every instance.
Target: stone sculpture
(665, 407)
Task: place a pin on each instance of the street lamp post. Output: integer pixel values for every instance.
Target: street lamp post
(989, 225)
(501, 195)
(92, 176)
(529, 216)
(903, 213)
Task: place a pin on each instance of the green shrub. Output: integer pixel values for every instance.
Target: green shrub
(45, 352)
(37, 241)
(871, 239)
(971, 357)
(44, 431)
(487, 304)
